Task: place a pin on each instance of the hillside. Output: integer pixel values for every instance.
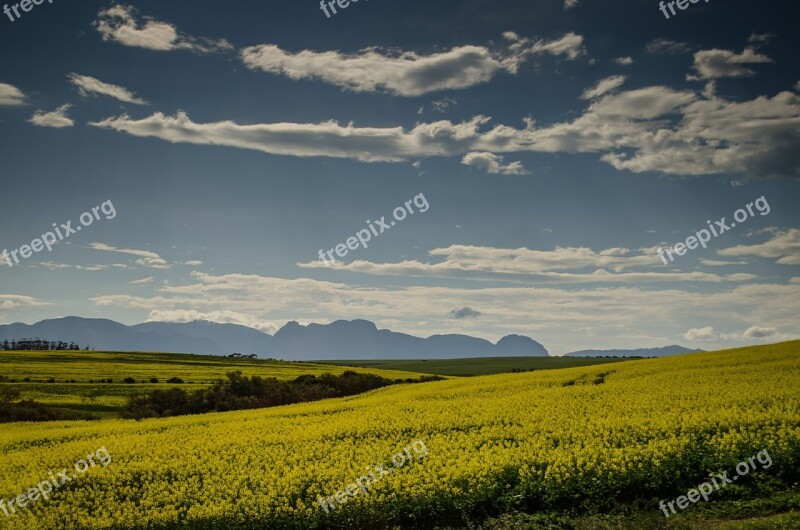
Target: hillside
(477, 365)
(77, 375)
(575, 443)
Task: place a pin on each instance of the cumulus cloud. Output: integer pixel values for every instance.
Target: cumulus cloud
(89, 86)
(465, 312)
(119, 24)
(694, 334)
(11, 96)
(624, 61)
(146, 258)
(759, 332)
(715, 64)
(493, 164)
(604, 86)
(57, 118)
(407, 73)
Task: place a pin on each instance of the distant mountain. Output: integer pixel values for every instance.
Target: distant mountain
(641, 352)
(354, 339)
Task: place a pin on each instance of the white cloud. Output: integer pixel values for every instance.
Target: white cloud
(604, 86)
(493, 164)
(624, 61)
(784, 245)
(714, 64)
(758, 332)
(407, 73)
(547, 314)
(719, 263)
(89, 86)
(569, 4)
(91, 268)
(11, 96)
(650, 129)
(149, 279)
(193, 263)
(695, 334)
(220, 317)
(119, 24)
(548, 266)
(147, 258)
(10, 302)
(54, 266)
(55, 118)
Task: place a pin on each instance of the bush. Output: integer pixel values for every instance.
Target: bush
(154, 379)
(175, 380)
(129, 380)
(239, 392)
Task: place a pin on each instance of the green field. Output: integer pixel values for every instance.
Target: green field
(478, 365)
(77, 375)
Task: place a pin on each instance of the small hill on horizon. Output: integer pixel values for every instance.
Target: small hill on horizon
(664, 351)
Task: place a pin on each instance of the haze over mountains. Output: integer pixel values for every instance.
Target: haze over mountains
(339, 340)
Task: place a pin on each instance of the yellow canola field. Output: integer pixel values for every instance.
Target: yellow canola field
(544, 439)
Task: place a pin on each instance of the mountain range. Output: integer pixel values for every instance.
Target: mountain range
(342, 339)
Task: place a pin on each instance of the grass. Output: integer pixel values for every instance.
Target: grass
(478, 365)
(87, 368)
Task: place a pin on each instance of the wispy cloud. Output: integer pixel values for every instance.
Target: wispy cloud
(567, 265)
(783, 244)
(119, 24)
(90, 86)
(604, 86)
(146, 258)
(650, 129)
(408, 73)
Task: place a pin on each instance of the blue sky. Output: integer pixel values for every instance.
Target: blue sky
(557, 145)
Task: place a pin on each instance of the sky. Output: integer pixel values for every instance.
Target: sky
(547, 150)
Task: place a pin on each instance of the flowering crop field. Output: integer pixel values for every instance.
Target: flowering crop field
(570, 439)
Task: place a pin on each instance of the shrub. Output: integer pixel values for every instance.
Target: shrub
(154, 379)
(129, 380)
(175, 380)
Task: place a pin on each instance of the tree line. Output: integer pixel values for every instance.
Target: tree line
(38, 344)
(239, 392)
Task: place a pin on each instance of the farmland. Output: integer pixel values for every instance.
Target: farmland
(478, 365)
(589, 444)
(76, 375)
